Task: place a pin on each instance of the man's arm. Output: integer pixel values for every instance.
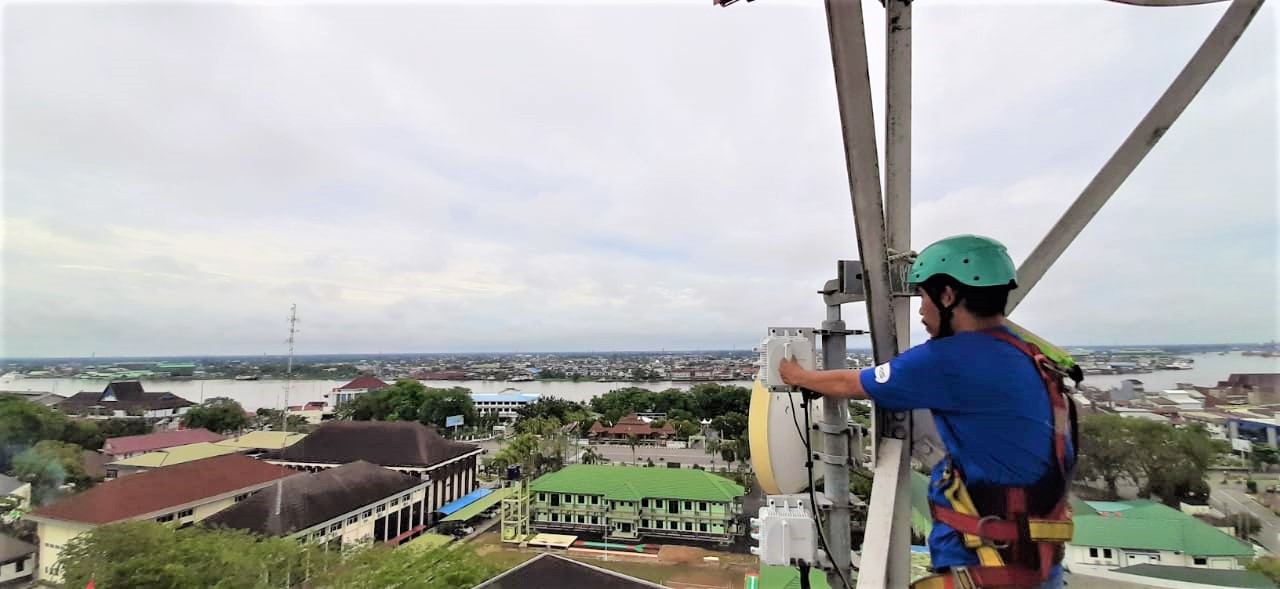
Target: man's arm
(832, 383)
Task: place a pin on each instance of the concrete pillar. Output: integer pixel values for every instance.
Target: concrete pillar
(1233, 430)
(1271, 437)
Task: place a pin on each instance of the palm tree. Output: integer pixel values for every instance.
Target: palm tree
(713, 447)
(633, 440)
(590, 456)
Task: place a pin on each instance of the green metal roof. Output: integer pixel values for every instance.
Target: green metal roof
(1150, 526)
(773, 577)
(632, 483)
(1214, 577)
(479, 505)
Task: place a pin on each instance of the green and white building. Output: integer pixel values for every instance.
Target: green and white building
(1113, 534)
(633, 503)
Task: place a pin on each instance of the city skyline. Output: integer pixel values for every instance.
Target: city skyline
(574, 177)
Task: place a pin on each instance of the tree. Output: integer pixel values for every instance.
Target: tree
(441, 403)
(148, 554)
(1262, 455)
(713, 448)
(730, 425)
(686, 428)
(728, 451)
(1267, 565)
(450, 566)
(218, 414)
(538, 426)
(271, 418)
(1170, 462)
(633, 440)
(48, 466)
(711, 400)
(590, 456)
(1106, 450)
(22, 424)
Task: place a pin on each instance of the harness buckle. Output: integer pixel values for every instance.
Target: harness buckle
(986, 541)
(963, 578)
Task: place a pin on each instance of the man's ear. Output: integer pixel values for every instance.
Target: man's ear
(948, 296)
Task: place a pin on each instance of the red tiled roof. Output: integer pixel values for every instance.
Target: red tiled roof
(632, 424)
(158, 441)
(314, 405)
(163, 488)
(364, 382)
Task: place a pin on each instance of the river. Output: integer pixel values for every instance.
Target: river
(1209, 369)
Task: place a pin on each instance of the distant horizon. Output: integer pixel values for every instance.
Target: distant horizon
(378, 355)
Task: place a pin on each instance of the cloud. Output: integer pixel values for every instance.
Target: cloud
(447, 177)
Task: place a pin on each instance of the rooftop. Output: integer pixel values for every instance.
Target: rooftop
(176, 455)
(632, 483)
(157, 441)
(155, 491)
(387, 443)
(365, 383)
(511, 397)
(123, 395)
(1151, 526)
(548, 571)
(9, 484)
(308, 499)
(12, 548)
(1242, 579)
(263, 440)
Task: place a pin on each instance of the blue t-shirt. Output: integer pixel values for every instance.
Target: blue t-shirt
(991, 410)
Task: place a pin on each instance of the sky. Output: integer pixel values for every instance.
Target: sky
(435, 177)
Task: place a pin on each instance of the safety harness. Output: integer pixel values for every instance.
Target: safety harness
(1018, 533)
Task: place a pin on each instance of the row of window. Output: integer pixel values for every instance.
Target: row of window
(644, 523)
(368, 513)
(671, 505)
(181, 514)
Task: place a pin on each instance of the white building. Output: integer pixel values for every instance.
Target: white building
(1140, 414)
(17, 561)
(504, 404)
(355, 388)
(1185, 400)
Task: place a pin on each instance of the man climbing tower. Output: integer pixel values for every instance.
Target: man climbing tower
(999, 498)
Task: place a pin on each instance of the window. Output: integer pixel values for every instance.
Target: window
(112, 473)
(688, 526)
(1106, 553)
(702, 527)
(555, 500)
(673, 507)
(595, 520)
(19, 566)
(582, 519)
(318, 534)
(186, 513)
(702, 506)
(405, 498)
(555, 517)
(395, 502)
(542, 497)
(382, 508)
(165, 518)
(368, 513)
(335, 527)
(595, 499)
(1201, 561)
(353, 519)
(241, 497)
(625, 528)
(644, 523)
(644, 503)
(688, 506)
(1093, 553)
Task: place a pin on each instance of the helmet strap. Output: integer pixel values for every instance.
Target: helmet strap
(945, 312)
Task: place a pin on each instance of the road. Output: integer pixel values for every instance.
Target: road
(1232, 501)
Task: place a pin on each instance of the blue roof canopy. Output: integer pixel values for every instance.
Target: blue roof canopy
(464, 501)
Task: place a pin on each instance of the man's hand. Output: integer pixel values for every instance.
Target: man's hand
(791, 372)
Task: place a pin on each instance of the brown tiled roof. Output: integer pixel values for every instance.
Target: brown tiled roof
(632, 424)
(548, 571)
(364, 382)
(158, 441)
(128, 395)
(162, 488)
(387, 443)
(308, 499)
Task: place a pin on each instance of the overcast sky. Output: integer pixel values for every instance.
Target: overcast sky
(435, 177)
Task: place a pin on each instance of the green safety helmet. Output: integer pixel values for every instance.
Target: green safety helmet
(971, 260)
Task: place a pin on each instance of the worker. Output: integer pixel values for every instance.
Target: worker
(998, 500)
